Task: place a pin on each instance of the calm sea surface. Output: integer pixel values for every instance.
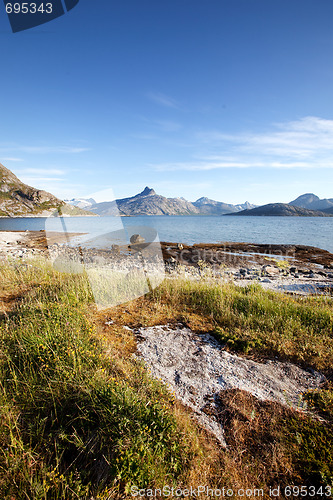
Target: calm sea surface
(313, 231)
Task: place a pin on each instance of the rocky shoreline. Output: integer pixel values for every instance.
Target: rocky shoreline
(289, 268)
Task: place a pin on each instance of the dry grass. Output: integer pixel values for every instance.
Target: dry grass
(273, 445)
(76, 362)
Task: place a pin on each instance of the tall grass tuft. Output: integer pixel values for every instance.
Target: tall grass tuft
(72, 422)
(253, 320)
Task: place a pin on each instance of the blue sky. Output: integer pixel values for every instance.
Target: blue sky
(230, 99)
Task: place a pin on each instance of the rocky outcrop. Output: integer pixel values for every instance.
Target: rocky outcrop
(16, 198)
(20, 200)
(197, 369)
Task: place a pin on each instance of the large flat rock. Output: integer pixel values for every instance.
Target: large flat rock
(197, 368)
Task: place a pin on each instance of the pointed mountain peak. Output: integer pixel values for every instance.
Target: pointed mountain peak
(147, 192)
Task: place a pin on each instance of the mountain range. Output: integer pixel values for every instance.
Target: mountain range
(20, 200)
(148, 202)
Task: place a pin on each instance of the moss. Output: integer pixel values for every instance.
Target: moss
(321, 401)
(311, 444)
(236, 342)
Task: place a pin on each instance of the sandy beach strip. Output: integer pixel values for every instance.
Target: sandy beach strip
(38, 240)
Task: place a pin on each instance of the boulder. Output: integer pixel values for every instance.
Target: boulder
(136, 239)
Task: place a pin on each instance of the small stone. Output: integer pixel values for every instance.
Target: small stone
(272, 270)
(115, 249)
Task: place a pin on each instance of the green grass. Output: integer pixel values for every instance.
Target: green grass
(80, 418)
(73, 423)
(252, 320)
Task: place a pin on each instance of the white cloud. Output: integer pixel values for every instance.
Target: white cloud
(163, 100)
(201, 166)
(41, 171)
(9, 148)
(32, 181)
(11, 159)
(196, 166)
(305, 143)
(52, 149)
(168, 125)
(298, 138)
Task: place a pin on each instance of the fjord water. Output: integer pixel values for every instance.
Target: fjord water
(312, 231)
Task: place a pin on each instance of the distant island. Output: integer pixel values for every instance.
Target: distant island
(306, 205)
(283, 210)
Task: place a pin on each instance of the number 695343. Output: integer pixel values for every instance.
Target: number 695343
(29, 8)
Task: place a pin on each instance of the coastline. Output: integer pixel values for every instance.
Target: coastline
(295, 269)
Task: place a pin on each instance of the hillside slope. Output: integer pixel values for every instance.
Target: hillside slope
(18, 199)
